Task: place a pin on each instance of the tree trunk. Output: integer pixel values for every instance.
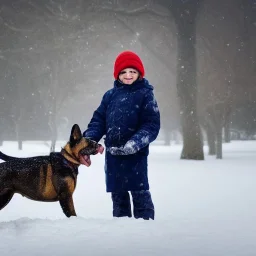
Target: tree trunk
(53, 145)
(53, 123)
(227, 129)
(211, 140)
(20, 144)
(18, 132)
(176, 136)
(227, 133)
(192, 141)
(167, 137)
(187, 87)
(219, 142)
(53, 134)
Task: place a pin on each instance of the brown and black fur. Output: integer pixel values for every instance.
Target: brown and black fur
(46, 178)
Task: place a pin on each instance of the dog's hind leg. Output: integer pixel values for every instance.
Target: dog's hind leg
(5, 198)
(67, 205)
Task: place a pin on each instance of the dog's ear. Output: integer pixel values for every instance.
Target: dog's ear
(75, 135)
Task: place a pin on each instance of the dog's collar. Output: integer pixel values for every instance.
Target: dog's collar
(67, 153)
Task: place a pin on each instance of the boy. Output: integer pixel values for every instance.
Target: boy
(129, 117)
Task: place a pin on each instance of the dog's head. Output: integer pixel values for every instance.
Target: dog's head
(79, 146)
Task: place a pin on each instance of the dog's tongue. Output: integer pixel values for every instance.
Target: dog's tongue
(85, 160)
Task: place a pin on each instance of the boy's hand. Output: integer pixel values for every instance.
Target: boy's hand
(116, 151)
(128, 149)
(100, 149)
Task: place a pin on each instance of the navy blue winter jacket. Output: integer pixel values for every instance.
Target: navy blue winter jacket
(126, 113)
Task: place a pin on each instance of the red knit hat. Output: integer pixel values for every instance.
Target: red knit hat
(128, 59)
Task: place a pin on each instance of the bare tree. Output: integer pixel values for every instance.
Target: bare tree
(185, 16)
(223, 68)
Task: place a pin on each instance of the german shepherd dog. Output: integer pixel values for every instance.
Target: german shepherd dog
(47, 178)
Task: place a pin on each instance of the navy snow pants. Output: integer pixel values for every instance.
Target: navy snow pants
(143, 206)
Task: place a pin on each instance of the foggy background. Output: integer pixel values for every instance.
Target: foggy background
(57, 56)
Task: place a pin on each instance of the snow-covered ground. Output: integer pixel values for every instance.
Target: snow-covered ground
(202, 208)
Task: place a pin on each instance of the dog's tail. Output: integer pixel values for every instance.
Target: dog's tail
(6, 157)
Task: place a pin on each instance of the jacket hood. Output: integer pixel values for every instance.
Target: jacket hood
(135, 86)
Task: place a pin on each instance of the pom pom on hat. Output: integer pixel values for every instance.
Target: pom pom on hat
(128, 59)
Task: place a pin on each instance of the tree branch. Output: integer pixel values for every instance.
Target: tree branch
(139, 10)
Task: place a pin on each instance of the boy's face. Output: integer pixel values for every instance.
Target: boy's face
(128, 75)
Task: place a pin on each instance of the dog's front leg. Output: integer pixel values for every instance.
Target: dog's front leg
(67, 204)
(66, 189)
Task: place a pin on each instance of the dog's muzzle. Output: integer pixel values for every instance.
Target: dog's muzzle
(93, 148)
